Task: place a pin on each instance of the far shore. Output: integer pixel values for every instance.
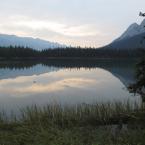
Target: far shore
(67, 58)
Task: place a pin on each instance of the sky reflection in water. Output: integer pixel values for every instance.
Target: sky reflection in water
(65, 86)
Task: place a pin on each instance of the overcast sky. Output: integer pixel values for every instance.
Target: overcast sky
(73, 22)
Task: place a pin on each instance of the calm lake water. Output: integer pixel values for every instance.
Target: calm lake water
(67, 82)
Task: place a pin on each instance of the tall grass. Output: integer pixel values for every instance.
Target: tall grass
(79, 115)
(78, 125)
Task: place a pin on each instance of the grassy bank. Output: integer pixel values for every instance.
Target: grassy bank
(109, 124)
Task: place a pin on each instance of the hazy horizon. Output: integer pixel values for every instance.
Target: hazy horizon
(92, 23)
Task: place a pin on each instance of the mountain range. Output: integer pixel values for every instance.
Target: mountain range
(38, 44)
(132, 38)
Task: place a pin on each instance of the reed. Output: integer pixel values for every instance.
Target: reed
(80, 124)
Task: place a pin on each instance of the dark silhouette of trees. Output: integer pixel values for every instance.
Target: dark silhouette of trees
(139, 86)
(25, 53)
(14, 52)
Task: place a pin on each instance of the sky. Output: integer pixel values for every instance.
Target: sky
(83, 23)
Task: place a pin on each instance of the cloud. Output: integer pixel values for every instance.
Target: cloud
(81, 30)
(76, 22)
(70, 34)
(81, 34)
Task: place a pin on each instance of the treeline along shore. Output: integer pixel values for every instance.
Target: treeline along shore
(69, 52)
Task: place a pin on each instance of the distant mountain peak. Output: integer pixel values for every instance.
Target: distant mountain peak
(132, 30)
(132, 38)
(35, 43)
(134, 25)
(143, 23)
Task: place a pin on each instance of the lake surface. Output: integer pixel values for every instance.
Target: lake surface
(66, 82)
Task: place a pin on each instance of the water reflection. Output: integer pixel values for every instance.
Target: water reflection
(66, 82)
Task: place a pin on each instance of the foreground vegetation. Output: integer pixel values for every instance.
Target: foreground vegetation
(110, 124)
(139, 86)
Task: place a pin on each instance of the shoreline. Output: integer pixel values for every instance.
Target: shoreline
(69, 58)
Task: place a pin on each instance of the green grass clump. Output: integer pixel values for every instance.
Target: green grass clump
(99, 124)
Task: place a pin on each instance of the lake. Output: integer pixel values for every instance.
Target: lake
(65, 82)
